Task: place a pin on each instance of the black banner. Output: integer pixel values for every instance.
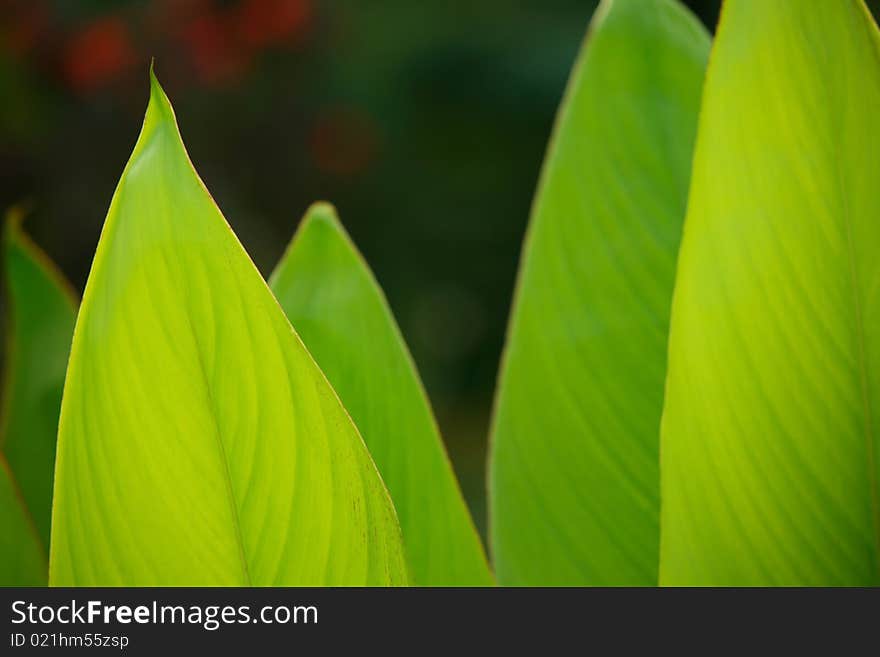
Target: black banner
(408, 621)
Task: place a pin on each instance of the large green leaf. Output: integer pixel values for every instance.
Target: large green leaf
(199, 442)
(574, 478)
(772, 417)
(41, 313)
(22, 554)
(339, 310)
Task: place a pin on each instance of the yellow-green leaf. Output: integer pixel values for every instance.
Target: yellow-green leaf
(772, 417)
(574, 475)
(199, 442)
(331, 297)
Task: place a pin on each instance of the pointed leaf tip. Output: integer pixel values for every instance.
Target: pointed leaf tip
(159, 106)
(186, 382)
(324, 212)
(330, 295)
(13, 218)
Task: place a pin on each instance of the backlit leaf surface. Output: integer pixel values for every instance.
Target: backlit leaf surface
(574, 478)
(772, 417)
(199, 442)
(337, 307)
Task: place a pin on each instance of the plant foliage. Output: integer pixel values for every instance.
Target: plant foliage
(574, 479)
(41, 308)
(772, 416)
(690, 392)
(199, 443)
(330, 295)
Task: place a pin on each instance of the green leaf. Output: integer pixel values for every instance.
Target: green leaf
(574, 478)
(22, 555)
(772, 416)
(331, 297)
(199, 442)
(41, 313)
(41, 308)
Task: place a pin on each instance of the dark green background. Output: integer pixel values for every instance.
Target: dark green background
(424, 122)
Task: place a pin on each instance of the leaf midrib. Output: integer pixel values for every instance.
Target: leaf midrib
(221, 447)
(224, 459)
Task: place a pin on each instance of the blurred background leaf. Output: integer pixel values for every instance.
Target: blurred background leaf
(22, 556)
(39, 327)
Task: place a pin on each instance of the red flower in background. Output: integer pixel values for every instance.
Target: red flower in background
(98, 53)
(215, 41)
(260, 23)
(213, 55)
(222, 42)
